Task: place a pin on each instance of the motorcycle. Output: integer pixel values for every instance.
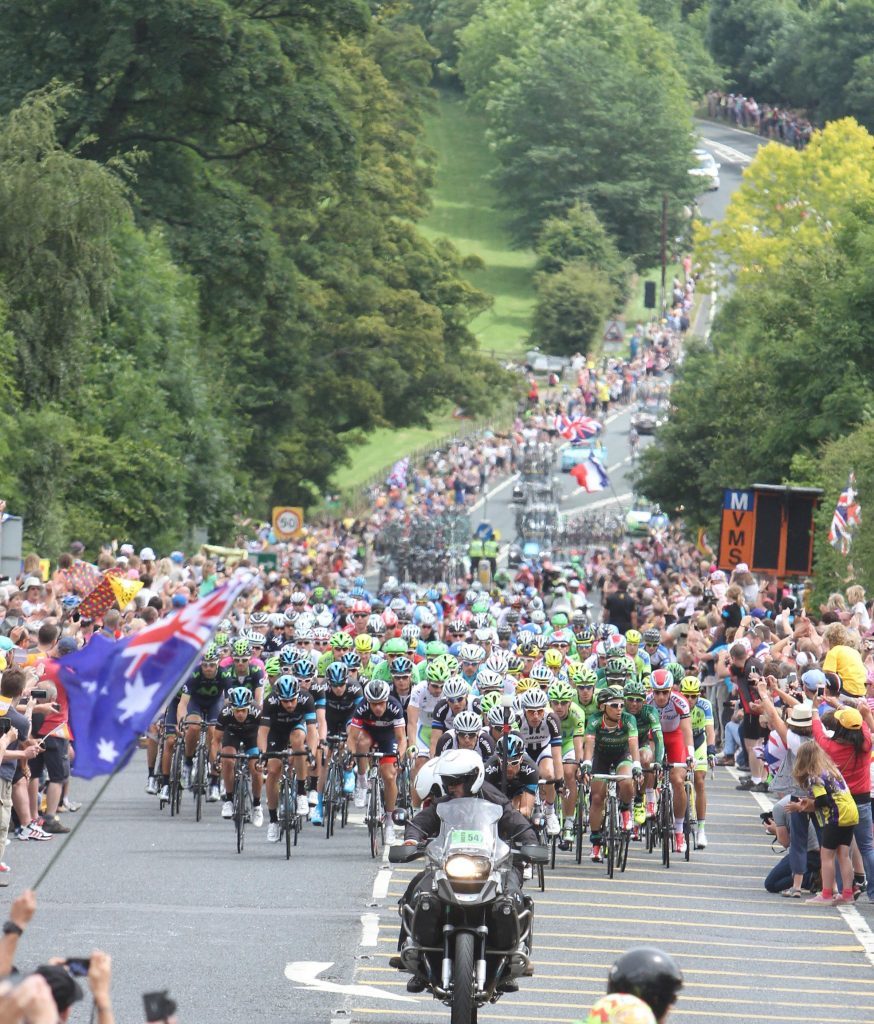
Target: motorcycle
(467, 936)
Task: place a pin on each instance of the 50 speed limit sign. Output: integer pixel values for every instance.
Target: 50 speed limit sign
(287, 522)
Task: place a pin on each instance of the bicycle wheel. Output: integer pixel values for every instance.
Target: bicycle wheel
(689, 822)
(176, 776)
(612, 835)
(329, 799)
(285, 824)
(624, 844)
(199, 776)
(666, 822)
(374, 819)
(240, 788)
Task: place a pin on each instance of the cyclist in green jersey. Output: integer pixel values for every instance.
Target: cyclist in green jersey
(704, 741)
(650, 742)
(583, 680)
(572, 720)
(339, 643)
(396, 647)
(610, 749)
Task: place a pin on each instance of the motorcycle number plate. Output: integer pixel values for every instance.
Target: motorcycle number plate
(468, 837)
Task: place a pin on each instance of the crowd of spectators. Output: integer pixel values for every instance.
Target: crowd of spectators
(766, 119)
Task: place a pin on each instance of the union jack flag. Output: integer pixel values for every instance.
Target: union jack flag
(114, 690)
(578, 429)
(848, 515)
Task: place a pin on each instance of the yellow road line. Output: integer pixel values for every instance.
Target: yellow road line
(699, 911)
(732, 927)
(675, 1012)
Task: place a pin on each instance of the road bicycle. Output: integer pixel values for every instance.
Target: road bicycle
(242, 800)
(616, 838)
(335, 800)
(374, 813)
(690, 819)
(290, 821)
(581, 818)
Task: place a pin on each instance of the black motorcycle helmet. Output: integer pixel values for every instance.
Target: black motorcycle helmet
(649, 974)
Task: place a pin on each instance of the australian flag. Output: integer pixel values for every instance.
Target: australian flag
(114, 690)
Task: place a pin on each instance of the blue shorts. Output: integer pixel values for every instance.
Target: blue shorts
(207, 707)
(169, 716)
(384, 742)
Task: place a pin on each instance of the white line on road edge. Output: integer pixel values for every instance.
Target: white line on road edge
(305, 974)
(728, 153)
(492, 493)
(604, 501)
(369, 929)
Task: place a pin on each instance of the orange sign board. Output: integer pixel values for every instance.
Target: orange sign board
(287, 522)
(737, 535)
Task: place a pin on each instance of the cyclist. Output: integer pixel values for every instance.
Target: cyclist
(378, 723)
(704, 741)
(340, 701)
(675, 716)
(467, 733)
(521, 773)
(649, 742)
(541, 733)
(237, 726)
(573, 729)
(639, 657)
(455, 698)
(241, 670)
(610, 749)
(288, 721)
(420, 710)
(584, 681)
(394, 647)
(200, 700)
(401, 671)
(654, 649)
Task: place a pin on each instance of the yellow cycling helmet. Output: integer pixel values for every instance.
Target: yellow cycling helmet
(633, 637)
(690, 685)
(553, 658)
(364, 643)
(526, 683)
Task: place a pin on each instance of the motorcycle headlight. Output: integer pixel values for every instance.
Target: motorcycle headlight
(465, 868)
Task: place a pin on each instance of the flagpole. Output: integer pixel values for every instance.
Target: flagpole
(61, 847)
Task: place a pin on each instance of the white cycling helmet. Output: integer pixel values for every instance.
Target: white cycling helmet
(426, 617)
(428, 783)
(461, 766)
(534, 700)
(455, 688)
(377, 690)
(277, 620)
(495, 718)
(472, 653)
(467, 722)
(489, 680)
(497, 661)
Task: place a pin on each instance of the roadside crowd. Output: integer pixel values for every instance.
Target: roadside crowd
(765, 119)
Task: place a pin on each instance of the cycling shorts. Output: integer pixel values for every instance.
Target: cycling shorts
(701, 757)
(423, 739)
(602, 765)
(207, 707)
(168, 716)
(251, 751)
(279, 738)
(675, 748)
(543, 754)
(569, 755)
(385, 743)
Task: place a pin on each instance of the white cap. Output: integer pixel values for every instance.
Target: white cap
(147, 555)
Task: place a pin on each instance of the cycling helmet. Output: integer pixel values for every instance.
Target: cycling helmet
(272, 666)
(322, 633)
(542, 675)
(375, 625)
(325, 620)
(526, 683)
(364, 643)
(609, 693)
(277, 620)
(428, 783)
(677, 671)
(401, 667)
(484, 635)
(352, 660)
(561, 636)
(615, 647)
(451, 663)
(490, 700)
(458, 626)
(426, 618)
(241, 649)
(534, 700)
(487, 681)
(514, 746)
(604, 631)
(504, 632)
(634, 688)
(225, 626)
(497, 662)
(304, 669)
(553, 659)
(461, 766)
(561, 691)
(633, 637)
(585, 636)
(434, 648)
(661, 679)
(512, 617)
(211, 654)
(649, 974)
(240, 697)
(289, 617)
(397, 605)
(341, 641)
(298, 597)
(616, 668)
(579, 675)
(481, 621)
(303, 634)
(395, 645)
(514, 665)
(472, 653)
(559, 619)
(258, 620)
(360, 607)
(337, 674)
(495, 717)
(437, 671)
(538, 617)
(467, 722)
(376, 691)
(287, 688)
(455, 689)
(690, 685)
(389, 618)
(652, 637)
(410, 632)
(319, 594)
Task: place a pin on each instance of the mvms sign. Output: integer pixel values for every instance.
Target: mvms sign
(769, 528)
(738, 528)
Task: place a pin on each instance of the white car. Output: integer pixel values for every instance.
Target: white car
(705, 168)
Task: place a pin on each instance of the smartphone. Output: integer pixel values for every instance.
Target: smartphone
(78, 966)
(794, 799)
(39, 694)
(158, 1006)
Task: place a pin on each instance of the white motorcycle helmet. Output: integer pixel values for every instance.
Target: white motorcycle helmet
(428, 784)
(464, 766)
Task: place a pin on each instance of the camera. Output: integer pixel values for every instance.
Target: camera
(78, 966)
(158, 1006)
(5, 725)
(767, 817)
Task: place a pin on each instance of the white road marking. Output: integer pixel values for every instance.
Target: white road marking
(304, 974)
(490, 494)
(616, 498)
(728, 153)
(369, 929)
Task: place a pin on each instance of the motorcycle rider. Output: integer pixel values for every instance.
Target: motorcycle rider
(461, 774)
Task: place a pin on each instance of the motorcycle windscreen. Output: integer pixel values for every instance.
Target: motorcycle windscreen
(468, 825)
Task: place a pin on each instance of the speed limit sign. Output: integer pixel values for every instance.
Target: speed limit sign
(287, 522)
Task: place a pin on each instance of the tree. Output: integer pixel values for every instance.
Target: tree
(572, 305)
(741, 34)
(555, 106)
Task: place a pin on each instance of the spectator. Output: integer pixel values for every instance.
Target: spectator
(843, 658)
(13, 748)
